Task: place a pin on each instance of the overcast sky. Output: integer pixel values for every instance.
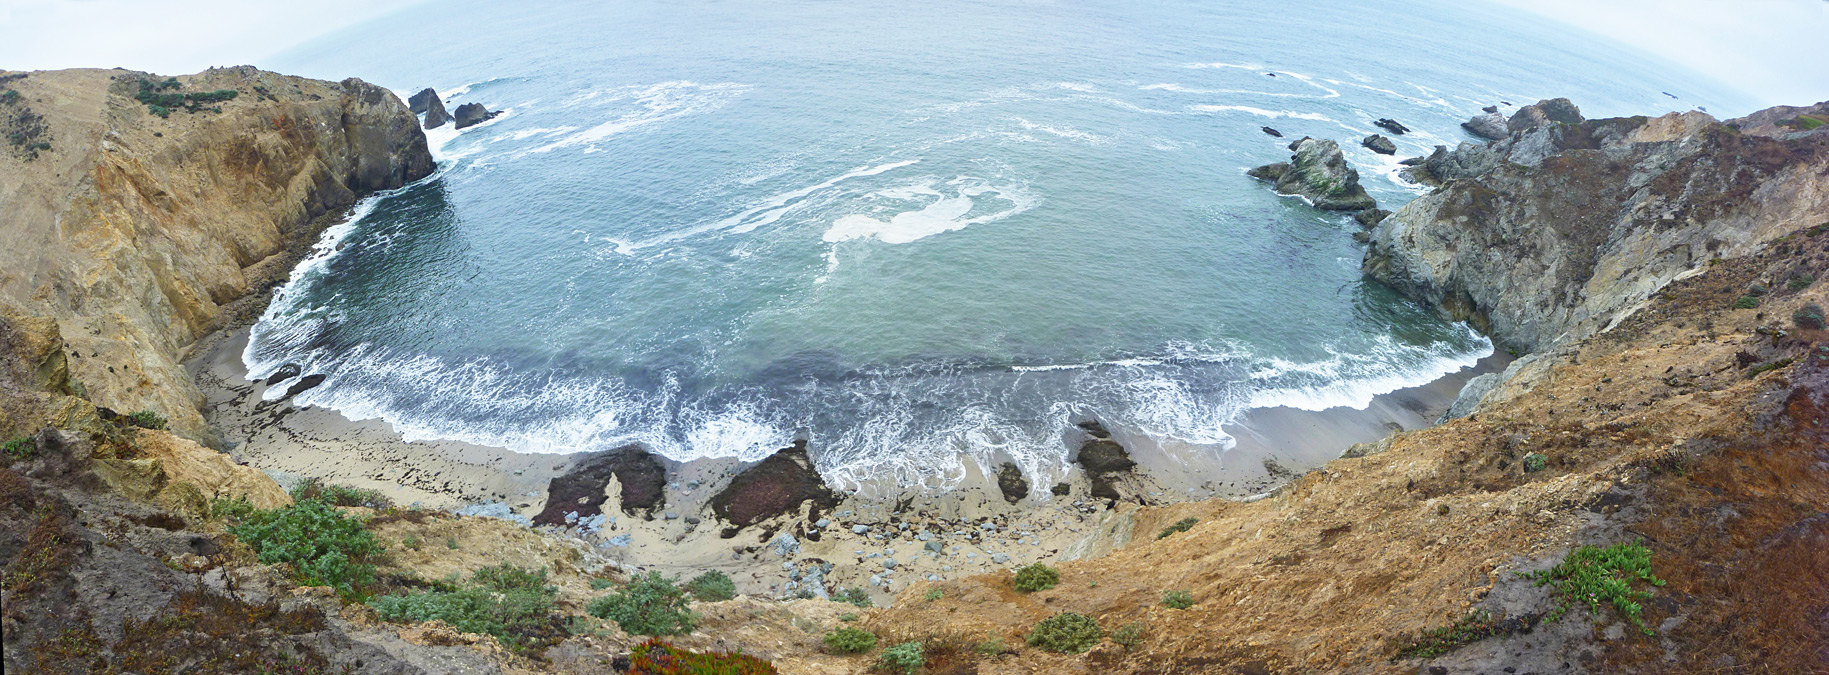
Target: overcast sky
(1771, 49)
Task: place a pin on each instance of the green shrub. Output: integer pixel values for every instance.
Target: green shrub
(1129, 636)
(1801, 281)
(847, 617)
(1804, 122)
(991, 646)
(933, 594)
(11, 96)
(147, 419)
(905, 658)
(1535, 461)
(713, 586)
(1177, 599)
(1182, 525)
(510, 603)
(649, 605)
(163, 104)
(1066, 633)
(412, 542)
(233, 509)
(848, 640)
(1809, 316)
(659, 658)
(21, 448)
(324, 547)
(854, 596)
(1594, 575)
(599, 583)
(451, 543)
(1036, 577)
(1757, 289)
(340, 495)
(1746, 302)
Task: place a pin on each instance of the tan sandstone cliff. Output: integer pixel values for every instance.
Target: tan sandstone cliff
(134, 231)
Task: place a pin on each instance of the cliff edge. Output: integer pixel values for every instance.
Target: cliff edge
(160, 201)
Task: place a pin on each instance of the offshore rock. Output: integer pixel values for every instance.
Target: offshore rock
(1319, 173)
(422, 101)
(1392, 126)
(435, 115)
(472, 114)
(1563, 230)
(1273, 133)
(1370, 218)
(775, 486)
(1379, 144)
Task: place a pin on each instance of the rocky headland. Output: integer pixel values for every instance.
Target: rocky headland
(1658, 277)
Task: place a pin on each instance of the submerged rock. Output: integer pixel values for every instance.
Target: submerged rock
(581, 489)
(1379, 144)
(1011, 483)
(776, 485)
(1318, 172)
(1273, 133)
(472, 114)
(285, 372)
(1370, 218)
(304, 384)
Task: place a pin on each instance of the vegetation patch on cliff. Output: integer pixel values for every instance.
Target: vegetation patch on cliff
(161, 99)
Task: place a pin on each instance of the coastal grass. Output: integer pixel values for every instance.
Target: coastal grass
(1594, 576)
(849, 640)
(903, 658)
(1471, 628)
(713, 586)
(511, 604)
(1036, 577)
(649, 605)
(1066, 633)
(1182, 525)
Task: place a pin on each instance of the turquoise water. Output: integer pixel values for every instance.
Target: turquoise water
(906, 231)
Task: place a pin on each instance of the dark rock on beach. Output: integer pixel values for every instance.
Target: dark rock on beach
(304, 384)
(777, 485)
(1273, 133)
(1011, 483)
(1318, 172)
(1379, 144)
(285, 372)
(1392, 126)
(580, 490)
(1104, 461)
(472, 114)
(1490, 126)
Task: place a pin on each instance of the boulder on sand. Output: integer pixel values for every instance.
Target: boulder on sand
(1379, 144)
(1318, 172)
(581, 489)
(1104, 461)
(777, 485)
(472, 114)
(1011, 483)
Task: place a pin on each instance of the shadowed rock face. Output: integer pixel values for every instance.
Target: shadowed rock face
(1319, 172)
(1561, 229)
(1011, 483)
(777, 485)
(471, 114)
(580, 490)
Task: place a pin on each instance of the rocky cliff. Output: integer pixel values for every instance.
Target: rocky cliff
(144, 221)
(1561, 229)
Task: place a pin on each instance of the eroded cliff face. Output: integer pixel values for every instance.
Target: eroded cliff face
(134, 231)
(1563, 229)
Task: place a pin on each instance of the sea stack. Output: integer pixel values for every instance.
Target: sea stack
(1318, 172)
(472, 114)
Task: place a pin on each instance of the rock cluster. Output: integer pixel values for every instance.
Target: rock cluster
(776, 485)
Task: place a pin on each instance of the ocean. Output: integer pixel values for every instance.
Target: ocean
(915, 234)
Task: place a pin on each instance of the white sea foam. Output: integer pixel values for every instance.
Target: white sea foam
(947, 207)
(654, 103)
(1261, 112)
(1062, 131)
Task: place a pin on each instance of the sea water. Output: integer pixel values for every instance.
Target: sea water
(910, 233)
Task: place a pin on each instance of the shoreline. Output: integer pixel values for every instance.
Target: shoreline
(880, 538)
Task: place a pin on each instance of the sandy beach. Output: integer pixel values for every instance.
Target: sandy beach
(881, 539)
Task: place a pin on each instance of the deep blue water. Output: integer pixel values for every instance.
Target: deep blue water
(906, 231)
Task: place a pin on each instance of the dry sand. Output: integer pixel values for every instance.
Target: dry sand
(882, 540)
